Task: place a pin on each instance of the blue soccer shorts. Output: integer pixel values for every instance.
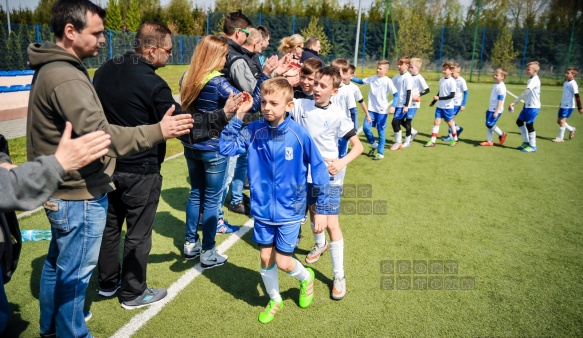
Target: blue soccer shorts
(283, 236)
(528, 115)
(411, 113)
(565, 113)
(334, 192)
(399, 113)
(490, 119)
(446, 114)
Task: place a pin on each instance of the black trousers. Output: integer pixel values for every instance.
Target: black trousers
(135, 200)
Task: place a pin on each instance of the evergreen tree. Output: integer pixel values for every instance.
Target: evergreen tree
(113, 19)
(314, 29)
(133, 17)
(179, 13)
(414, 37)
(42, 12)
(503, 52)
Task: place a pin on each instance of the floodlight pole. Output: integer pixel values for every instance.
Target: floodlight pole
(357, 34)
(386, 23)
(475, 38)
(572, 35)
(8, 16)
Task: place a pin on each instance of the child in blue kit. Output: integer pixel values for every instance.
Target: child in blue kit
(404, 83)
(460, 99)
(279, 154)
(530, 110)
(495, 109)
(569, 100)
(444, 110)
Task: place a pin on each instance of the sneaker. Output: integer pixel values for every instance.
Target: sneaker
(487, 144)
(378, 156)
(270, 311)
(502, 138)
(192, 250)
(108, 293)
(88, 315)
(572, 134)
(558, 139)
(447, 138)
(223, 227)
(429, 144)
(453, 143)
(339, 289)
(397, 146)
(529, 149)
(459, 131)
(316, 252)
(307, 290)
(373, 148)
(406, 144)
(523, 145)
(211, 258)
(413, 134)
(149, 297)
(239, 208)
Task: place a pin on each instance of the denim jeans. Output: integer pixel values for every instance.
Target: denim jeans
(207, 171)
(77, 229)
(239, 179)
(379, 121)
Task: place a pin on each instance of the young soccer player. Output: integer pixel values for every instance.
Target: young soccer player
(326, 123)
(530, 110)
(306, 88)
(459, 100)
(378, 106)
(444, 110)
(279, 154)
(404, 83)
(419, 89)
(357, 95)
(568, 101)
(344, 99)
(496, 108)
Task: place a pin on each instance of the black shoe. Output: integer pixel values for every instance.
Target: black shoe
(239, 208)
(246, 186)
(246, 201)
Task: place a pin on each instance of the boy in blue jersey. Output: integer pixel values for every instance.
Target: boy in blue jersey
(444, 110)
(530, 110)
(404, 83)
(459, 100)
(495, 109)
(279, 154)
(568, 101)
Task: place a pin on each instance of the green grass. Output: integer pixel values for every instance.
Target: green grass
(510, 220)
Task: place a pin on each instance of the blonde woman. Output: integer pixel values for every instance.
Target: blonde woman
(294, 45)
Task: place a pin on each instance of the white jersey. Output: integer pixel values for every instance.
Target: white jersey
(380, 87)
(498, 93)
(570, 88)
(419, 85)
(446, 87)
(326, 127)
(403, 83)
(460, 87)
(533, 96)
(344, 99)
(355, 90)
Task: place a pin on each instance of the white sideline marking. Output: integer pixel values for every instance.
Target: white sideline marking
(141, 319)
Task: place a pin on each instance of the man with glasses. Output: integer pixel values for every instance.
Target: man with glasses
(132, 94)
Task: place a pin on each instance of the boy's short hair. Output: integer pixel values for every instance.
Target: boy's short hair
(417, 62)
(310, 66)
(535, 64)
(448, 65)
(311, 41)
(501, 71)
(384, 63)
(264, 31)
(279, 85)
(404, 59)
(333, 73)
(456, 66)
(573, 70)
(352, 69)
(341, 63)
(235, 20)
(253, 37)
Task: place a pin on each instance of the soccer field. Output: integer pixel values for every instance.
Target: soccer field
(504, 226)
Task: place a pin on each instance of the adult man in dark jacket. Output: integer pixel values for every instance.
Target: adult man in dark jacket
(311, 49)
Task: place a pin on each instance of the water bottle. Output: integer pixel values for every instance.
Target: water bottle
(35, 235)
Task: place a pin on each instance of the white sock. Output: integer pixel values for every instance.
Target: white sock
(532, 139)
(337, 257)
(497, 130)
(524, 133)
(398, 137)
(561, 133)
(271, 282)
(300, 273)
(489, 135)
(413, 131)
(395, 136)
(319, 238)
(408, 139)
(434, 133)
(569, 128)
(375, 145)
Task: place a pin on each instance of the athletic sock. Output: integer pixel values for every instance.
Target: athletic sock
(337, 257)
(271, 282)
(319, 238)
(408, 139)
(489, 135)
(454, 135)
(398, 137)
(497, 130)
(561, 133)
(300, 273)
(524, 133)
(532, 139)
(569, 128)
(434, 133)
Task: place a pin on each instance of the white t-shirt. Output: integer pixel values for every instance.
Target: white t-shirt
(533, 96)
(446, 87)
(419, 85)
(344, 99)
(498, 93)
(460, 87)
(379, 91)
(570, 88)
(326, 127)
(403, 83)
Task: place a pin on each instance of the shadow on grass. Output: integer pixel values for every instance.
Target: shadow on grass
(16, 325)
(169, 226)
(177, 197)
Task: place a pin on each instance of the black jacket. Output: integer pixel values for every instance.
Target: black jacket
(308, 53)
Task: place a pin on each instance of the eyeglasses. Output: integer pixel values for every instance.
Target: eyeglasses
(243, 30)
(167, 51)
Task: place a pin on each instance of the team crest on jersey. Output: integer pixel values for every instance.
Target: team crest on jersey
(289, 153)
(326, 124)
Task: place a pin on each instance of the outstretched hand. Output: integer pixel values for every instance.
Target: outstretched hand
(74, 154)
(174, 126)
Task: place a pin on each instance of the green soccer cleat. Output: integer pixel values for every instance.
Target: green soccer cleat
(429, 144)
(523, 145)
(307, 290)
(270, 311)
(453, 143)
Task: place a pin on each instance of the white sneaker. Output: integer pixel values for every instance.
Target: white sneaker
(572, 133)
(339, 289)
(413, 134)
(192, 250)
(211, 258)
(316, 252)
(396, 146)
(406, 144)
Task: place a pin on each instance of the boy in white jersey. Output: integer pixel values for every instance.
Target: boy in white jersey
(496, 108)
(305, 90)
(378, 107)
(459, 100)
(444, 110)
(569, 100)
(357, 95)
(344, 99)
(404, 84)
(419, 89)
(327, 124)
(530, 110)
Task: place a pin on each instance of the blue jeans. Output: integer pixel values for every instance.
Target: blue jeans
(238, 179)
(77, 229)
(379, 121)
(207, 171)
(4, 308)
